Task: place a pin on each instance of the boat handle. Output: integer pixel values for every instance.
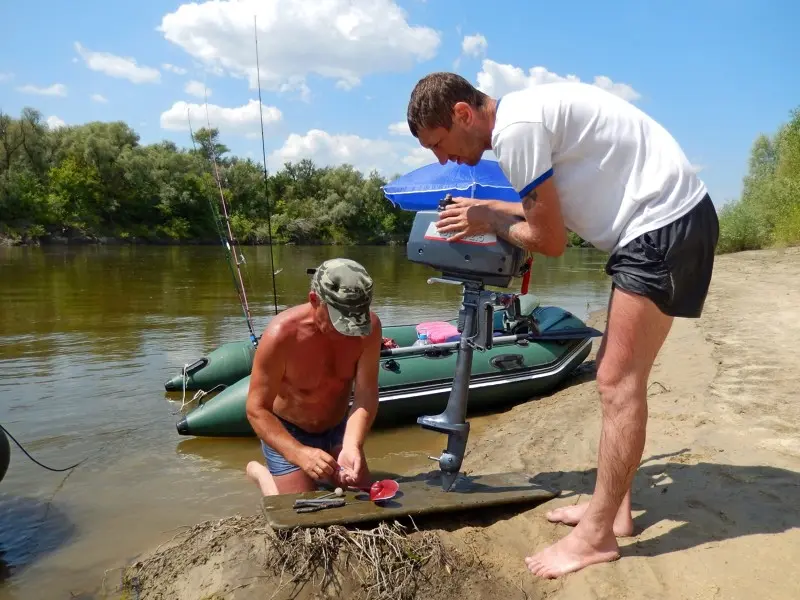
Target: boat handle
(507, 361)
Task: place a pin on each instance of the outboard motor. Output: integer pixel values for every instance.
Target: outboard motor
(483, 258)
(473, 263)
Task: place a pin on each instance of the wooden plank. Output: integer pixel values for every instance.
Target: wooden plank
(421, 495)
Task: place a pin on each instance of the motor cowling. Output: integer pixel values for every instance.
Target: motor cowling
(485, 257)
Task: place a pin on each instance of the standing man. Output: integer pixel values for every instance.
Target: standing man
(310, 359)
(584, 159)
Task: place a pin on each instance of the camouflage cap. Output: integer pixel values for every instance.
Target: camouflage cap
(345, 287)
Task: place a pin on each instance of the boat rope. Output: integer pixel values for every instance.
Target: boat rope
(183, 381)
(264, 158)
(197, 396)
(8, 433)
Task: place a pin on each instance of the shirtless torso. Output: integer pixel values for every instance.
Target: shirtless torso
(319, 373)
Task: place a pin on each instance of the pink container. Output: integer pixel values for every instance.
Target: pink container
(439, 331)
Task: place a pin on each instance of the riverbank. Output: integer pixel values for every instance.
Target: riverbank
(7, 239)
(715, 504)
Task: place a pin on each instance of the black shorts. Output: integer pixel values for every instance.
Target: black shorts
(672, 265)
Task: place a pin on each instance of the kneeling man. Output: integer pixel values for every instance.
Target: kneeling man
(308, 361)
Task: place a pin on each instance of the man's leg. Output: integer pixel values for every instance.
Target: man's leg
(279, 476)
(293, 482)
(673, 265)
(261, 476)
(571, 515)
(635, 332)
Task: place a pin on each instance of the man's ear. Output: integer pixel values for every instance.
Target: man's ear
(463, 113)
(313, 298)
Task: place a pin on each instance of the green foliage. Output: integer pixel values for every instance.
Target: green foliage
(576, 241)
(96, 180)
(768, 213)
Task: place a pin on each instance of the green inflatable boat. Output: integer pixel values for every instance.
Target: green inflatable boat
(220, 368)
(411, 384)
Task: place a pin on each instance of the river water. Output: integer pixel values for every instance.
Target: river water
(89, 335)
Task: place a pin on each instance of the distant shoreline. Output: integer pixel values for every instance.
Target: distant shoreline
(85, 240)
(52, 240)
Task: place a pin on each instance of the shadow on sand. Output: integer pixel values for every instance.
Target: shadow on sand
(705, 502)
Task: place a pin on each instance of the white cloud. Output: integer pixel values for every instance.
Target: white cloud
(6, 77)
(343, 40)
(54, 122)
(242, 119)
(174, 69)
(118, 66)
(388, 157)
(623, 90)
(498, 79)
(99, 98)
(399, 128)
(57, 89)
(365, 154)
(196, 88)
(418, 157)
(474, 45)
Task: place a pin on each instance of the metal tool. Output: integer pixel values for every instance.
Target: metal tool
(315, 504)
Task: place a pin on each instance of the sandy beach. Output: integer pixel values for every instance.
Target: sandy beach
(716, 498)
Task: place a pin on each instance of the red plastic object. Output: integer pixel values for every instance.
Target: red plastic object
(526, 277)
(383, 490)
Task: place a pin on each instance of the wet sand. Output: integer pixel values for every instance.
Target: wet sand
(716, 506)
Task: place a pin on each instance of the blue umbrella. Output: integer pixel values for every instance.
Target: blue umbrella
(423, 188)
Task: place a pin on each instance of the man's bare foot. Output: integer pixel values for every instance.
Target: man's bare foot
(571, 553)
(262, 478)
(571, 515)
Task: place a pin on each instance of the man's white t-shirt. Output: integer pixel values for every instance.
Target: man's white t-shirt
(618, 173)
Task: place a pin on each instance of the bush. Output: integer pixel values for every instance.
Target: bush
(768, 213)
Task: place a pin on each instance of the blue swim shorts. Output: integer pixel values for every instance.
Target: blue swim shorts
(326, 441)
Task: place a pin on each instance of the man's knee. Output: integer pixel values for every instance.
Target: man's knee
(620, 386)
(294, 482)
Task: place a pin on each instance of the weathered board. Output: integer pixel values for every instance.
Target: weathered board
(422, 495)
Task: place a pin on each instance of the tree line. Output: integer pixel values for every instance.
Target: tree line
(97, 180)
(768, 212)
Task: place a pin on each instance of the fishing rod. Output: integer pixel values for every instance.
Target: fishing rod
(229, 241)
(264, 158)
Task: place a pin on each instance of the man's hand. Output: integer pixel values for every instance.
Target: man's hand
(536, 224)
(465, 217)
(352, 461)
(316, 463)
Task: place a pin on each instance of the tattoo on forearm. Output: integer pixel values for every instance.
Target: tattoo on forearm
(529, 199)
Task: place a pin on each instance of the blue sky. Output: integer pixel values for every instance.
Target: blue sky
(336, 75)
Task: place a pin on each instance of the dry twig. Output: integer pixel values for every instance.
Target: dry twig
(386, 562)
